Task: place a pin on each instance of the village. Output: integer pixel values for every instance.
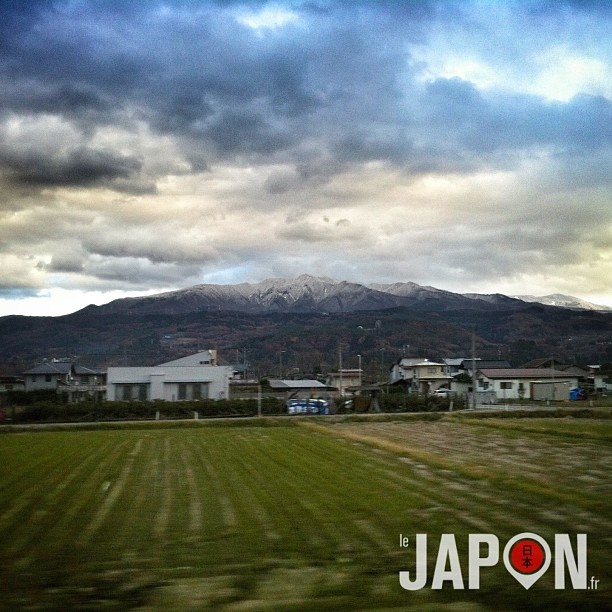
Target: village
(204, 376)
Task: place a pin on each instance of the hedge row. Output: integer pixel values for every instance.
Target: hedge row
(54, 411)
(397, 403)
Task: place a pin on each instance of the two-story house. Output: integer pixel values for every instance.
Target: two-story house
(419, 375)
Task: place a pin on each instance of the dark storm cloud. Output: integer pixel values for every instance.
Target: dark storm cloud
(202, 74)
(341, 81)
(79, 167)
(72, 100)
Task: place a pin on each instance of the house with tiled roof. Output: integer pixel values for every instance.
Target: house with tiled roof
(64, 376)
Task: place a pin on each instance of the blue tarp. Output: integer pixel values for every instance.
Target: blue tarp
(308, 406)
(576, 394)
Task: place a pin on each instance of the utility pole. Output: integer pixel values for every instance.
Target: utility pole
(474, 369)
(340, 369)
(552, 374)
(280, 363)
(259, 400)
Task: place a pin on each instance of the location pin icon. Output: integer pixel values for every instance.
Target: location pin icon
(527, 557)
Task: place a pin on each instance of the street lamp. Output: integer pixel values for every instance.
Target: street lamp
(359, 358)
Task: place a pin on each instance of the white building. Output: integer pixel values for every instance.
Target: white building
(189, 378)
(526, 383)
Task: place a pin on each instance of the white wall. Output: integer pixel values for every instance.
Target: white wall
(162, 382)
(495, 385)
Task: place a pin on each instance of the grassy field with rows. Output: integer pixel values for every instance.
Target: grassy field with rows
(294, 514)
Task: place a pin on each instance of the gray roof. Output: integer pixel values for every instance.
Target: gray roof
(535, 373)
(456, 361)
(64, 367)
(296, 384)
(487, 363)
(51, 367)
(84, 371)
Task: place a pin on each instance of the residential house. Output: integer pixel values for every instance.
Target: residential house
(8, 384)
(525, 383)
(11, 383)
(596, 380)
(454, 366)
(589, 377)
(48, 375)
(190, 378)
(345, 379)
(483, 364)
(419, 375)
(64, 376)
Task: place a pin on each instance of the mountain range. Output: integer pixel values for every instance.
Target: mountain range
(305, 322)
(308, 293)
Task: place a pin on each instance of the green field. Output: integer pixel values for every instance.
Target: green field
(301, 514)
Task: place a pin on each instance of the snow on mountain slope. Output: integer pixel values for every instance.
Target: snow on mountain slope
(308, 293)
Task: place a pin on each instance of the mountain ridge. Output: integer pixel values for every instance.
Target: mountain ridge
(561, 300)
(308, 293)
(305, 293)
(308, 319)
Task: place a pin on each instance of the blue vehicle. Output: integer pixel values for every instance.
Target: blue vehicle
(307, 406)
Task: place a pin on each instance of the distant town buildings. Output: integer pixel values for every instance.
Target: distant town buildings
(199, 376)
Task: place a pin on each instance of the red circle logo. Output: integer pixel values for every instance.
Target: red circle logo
(527, 556)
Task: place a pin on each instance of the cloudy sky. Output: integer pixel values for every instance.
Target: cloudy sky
(149, 146)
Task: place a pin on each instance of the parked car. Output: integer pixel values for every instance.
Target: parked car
(442, 393)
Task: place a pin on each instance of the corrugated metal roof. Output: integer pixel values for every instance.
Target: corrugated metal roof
(535, 373)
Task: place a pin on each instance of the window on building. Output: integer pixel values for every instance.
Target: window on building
(182, 391)
(431, 370)
(47, 377)
(142, 393)
(126, 392)
(505, 385)
(197, 391)
(204, 390)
